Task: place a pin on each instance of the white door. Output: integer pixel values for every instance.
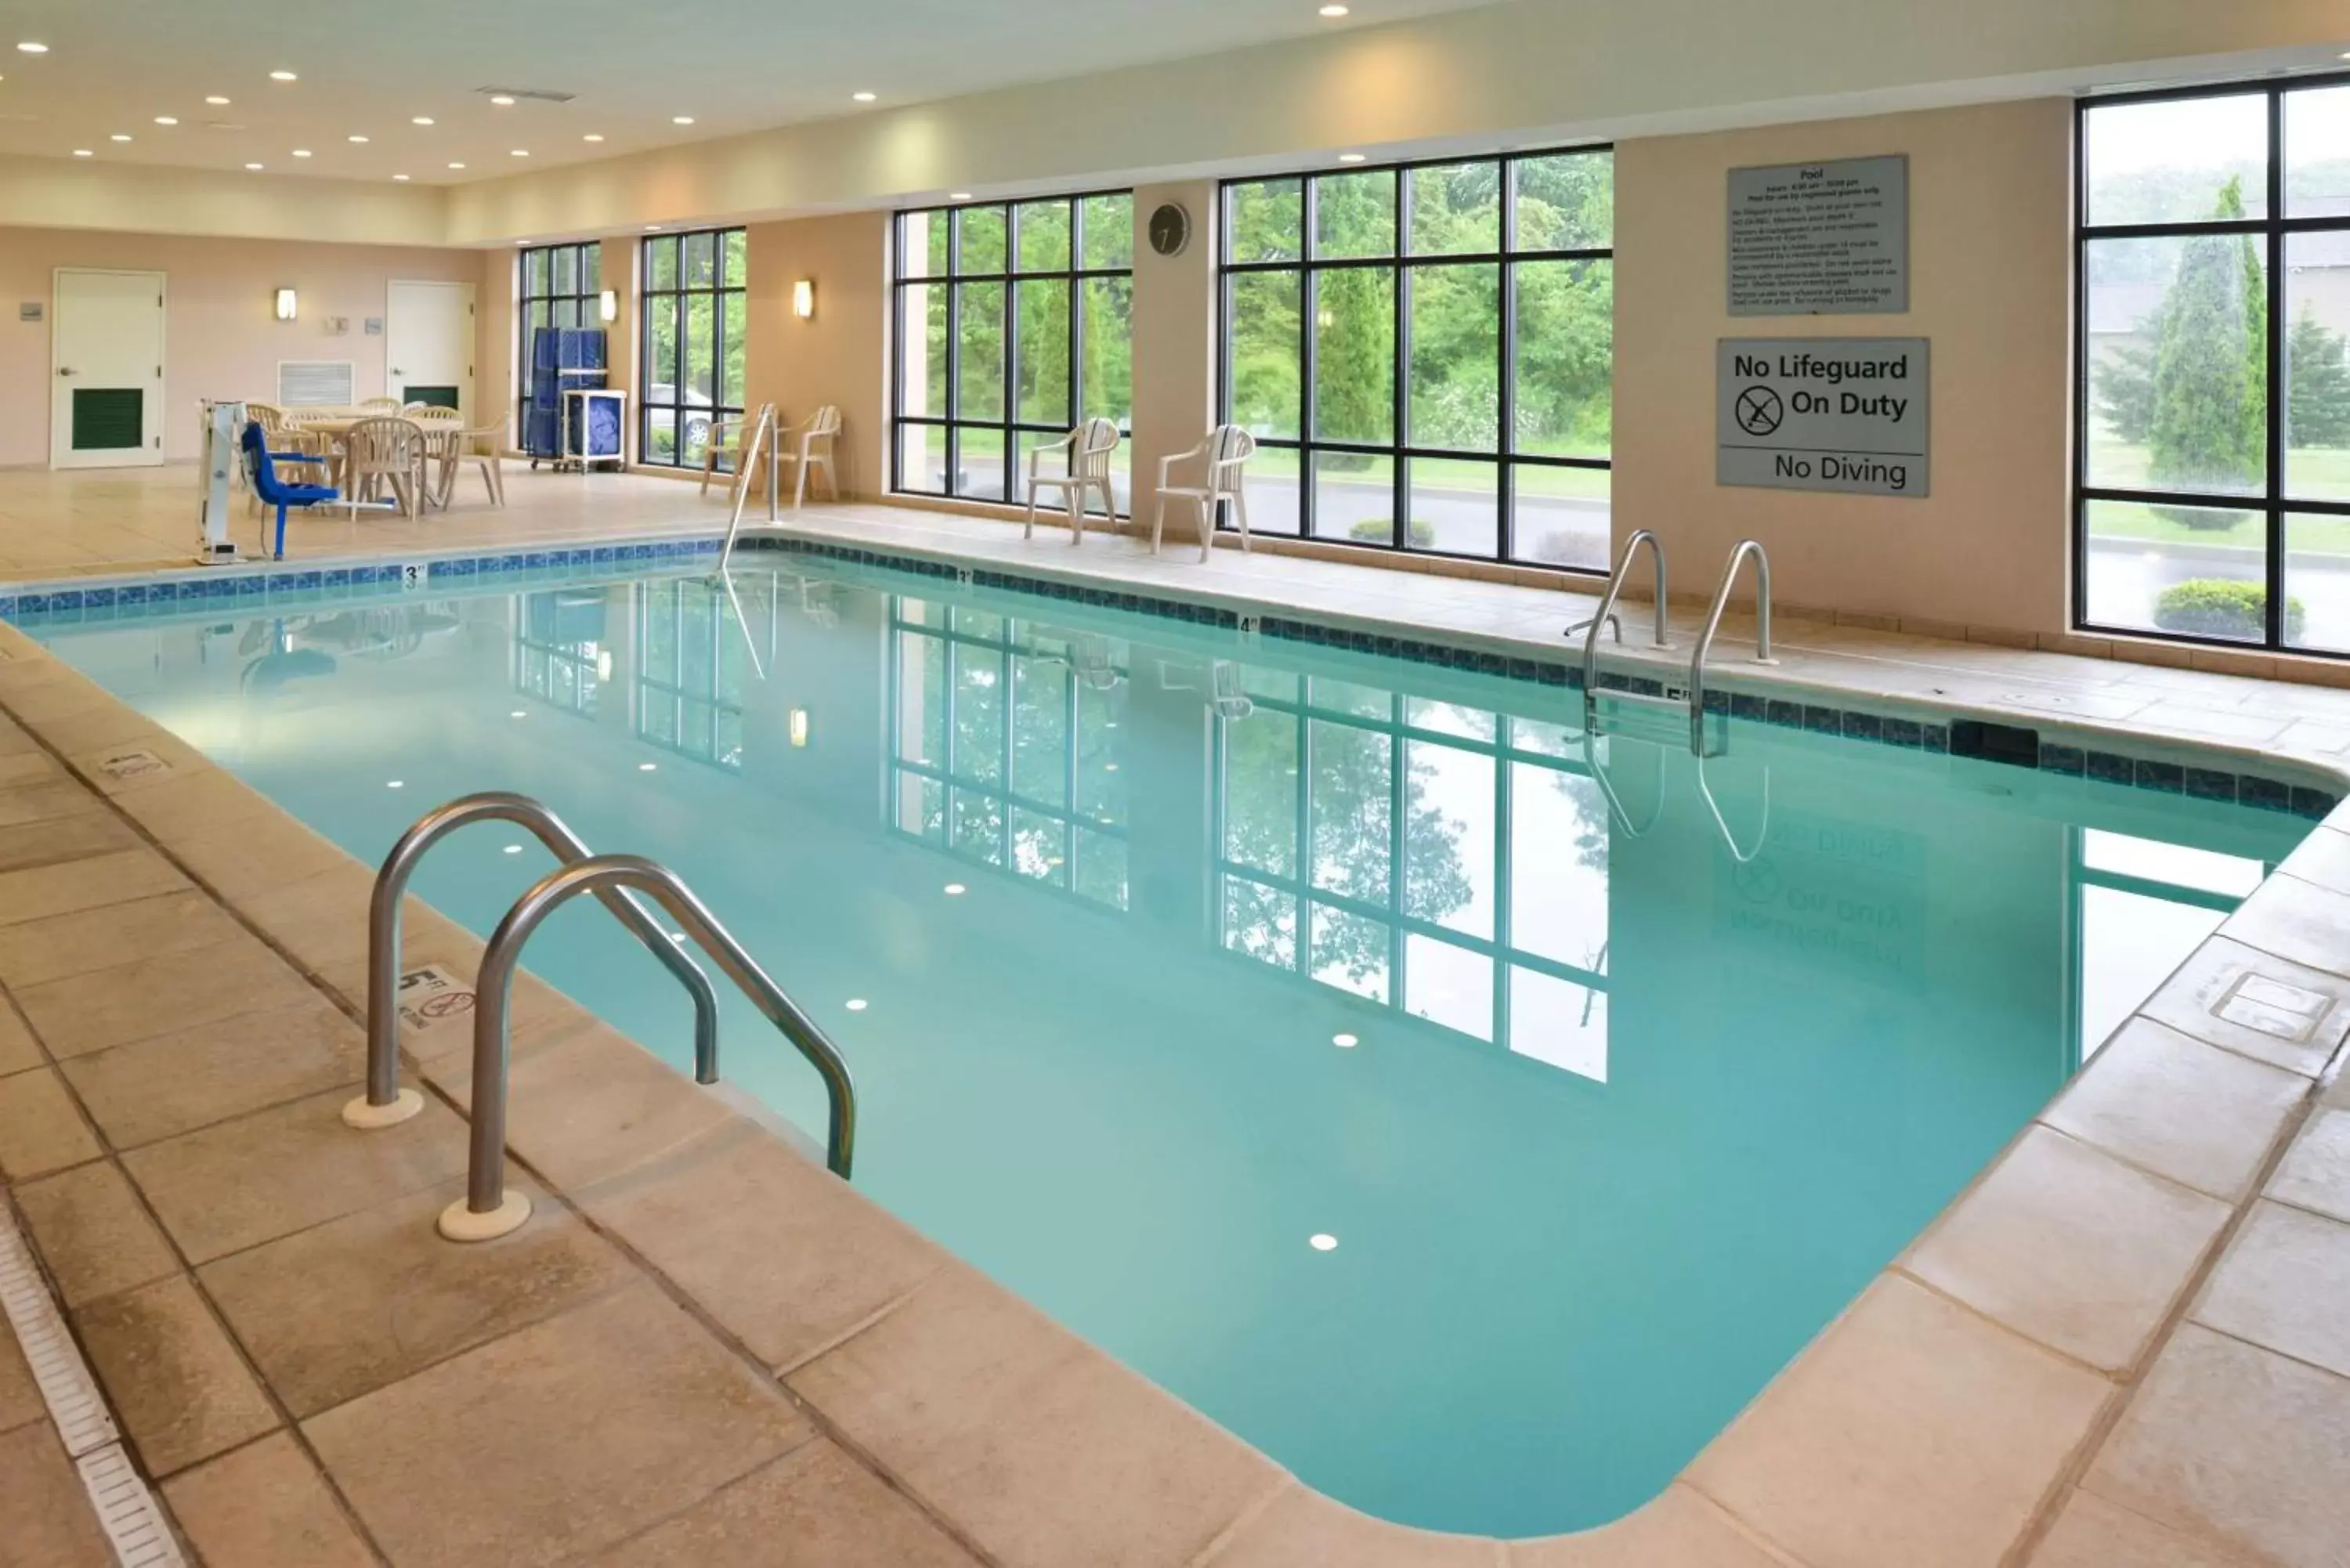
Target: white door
(428, 343)
(105, 408)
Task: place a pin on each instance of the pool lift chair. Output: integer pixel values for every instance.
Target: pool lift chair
(1630, 699)
(261, 473)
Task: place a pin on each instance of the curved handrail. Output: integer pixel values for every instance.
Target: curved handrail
(1740, 552)
(485, 1173)
(1728, 837)
(1606, 612)
(1616, 802)
(383, 937)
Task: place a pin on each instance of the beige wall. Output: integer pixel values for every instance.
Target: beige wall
(1524, 71)
(221, 337)
(838, 355)
(1989, 285)
(1174, 339)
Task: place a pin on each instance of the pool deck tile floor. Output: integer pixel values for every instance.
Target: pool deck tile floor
(2121, 1345)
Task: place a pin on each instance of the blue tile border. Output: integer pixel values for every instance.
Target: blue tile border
(38, 607)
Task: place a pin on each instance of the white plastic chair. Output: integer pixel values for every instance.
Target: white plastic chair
(380, 453)
(741, 439)
(1090, 447)
(815, 451)
(1226, 451)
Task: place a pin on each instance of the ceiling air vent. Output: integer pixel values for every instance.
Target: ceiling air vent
(540, 95)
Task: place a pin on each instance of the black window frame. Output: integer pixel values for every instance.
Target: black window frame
(1010, 428)
(2272, 231)
(682, 600)
(1401, 451)
(584, 298)
(675, 297)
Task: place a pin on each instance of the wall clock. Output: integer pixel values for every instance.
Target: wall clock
(1170, 229)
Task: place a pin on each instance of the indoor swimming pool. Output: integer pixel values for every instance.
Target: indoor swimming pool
(1471, 1115)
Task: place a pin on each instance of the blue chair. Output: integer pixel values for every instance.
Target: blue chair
(261, 470)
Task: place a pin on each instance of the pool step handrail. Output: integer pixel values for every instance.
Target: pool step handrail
(766, 439)
(1605, 615)
(488, 1209)
(1740, 553)
(385, 1103)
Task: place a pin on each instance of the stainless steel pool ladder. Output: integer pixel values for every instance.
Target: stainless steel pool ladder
(766, 433)
(1738, 553)
(1606, 615)
(486, 1210)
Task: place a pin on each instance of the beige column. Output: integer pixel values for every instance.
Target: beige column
(1174, 335)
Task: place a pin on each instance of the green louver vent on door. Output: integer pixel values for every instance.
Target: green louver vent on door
(438, 397)
(108, 419)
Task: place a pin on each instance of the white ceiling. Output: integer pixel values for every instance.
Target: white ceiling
(366, 70)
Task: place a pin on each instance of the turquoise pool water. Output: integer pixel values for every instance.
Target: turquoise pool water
(1301, 1026)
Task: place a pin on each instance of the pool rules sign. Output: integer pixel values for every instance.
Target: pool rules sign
(1822, 413)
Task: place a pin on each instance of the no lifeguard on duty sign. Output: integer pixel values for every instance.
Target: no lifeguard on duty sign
(1822, 413)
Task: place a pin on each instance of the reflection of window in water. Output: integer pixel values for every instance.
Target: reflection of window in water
(2139, 908)
(1442, 859)
(1005, 744)
(559, 647)
(693, 660)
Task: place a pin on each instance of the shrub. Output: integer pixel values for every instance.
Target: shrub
(1379, 530)
(2223, 606)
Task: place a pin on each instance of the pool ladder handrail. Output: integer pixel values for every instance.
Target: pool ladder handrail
(487, 1209)
(765, 442)
(385, 1102)
(1740, 553)
(1605, 615)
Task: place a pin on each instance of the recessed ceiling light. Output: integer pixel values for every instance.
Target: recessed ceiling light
(1322, 1241)
(519, 153)
(395, 783)
(216, 101)
(514, 848)
(358, 138)
(680, 120)
(519, 713)
(646, 767)
(84, 153)
(165, 119)
(119, 135)
(958, 195)
(592, 136)
(502, 100)
(253, 166)
(1345, 1042)
(1350, 158)
(401, 178)
(422, 120)
(954, 890)
(283, 76)
(1332, 11)
(301, 152)
(856, 1005)
(29, 47)
(863, 96)
(652, 228)
(456, 166)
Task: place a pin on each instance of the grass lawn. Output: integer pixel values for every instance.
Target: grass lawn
(2318, 473)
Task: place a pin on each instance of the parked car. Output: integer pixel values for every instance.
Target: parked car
(693, 416)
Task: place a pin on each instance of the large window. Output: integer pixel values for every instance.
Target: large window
(2213, 495)
(693, 305)
(1446, 860)
(1014, 323)
(1425, 354)
(1004, 745)
(559, 288)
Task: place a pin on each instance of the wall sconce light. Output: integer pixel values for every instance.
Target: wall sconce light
(608, 305)
(604, 665)
(285, 305)
(800, 726)
(803, 298)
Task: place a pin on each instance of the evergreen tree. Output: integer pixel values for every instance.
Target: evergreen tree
(2317, 376)
(2124, 384)
(2209, 414)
